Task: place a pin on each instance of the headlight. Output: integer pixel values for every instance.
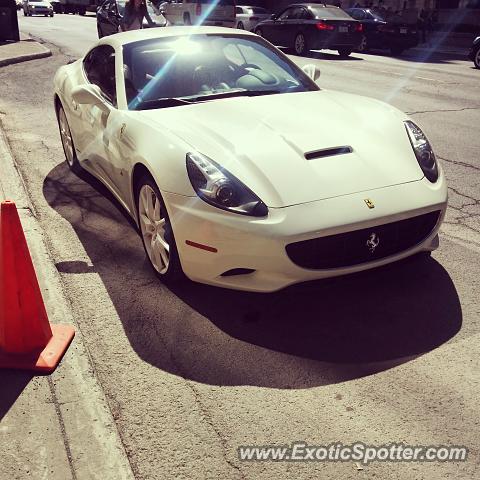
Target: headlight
(219, 188)
(423, 151)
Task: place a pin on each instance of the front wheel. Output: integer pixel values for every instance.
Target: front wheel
(241, 26)
(67, 141)
(476, 58)
(156, 231)
(344, 52)
(300, 44)
(258, 31)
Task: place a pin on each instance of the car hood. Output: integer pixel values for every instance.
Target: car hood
(264, 140)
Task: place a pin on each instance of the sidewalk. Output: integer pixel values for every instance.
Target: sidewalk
(56, 427)
(22, 51)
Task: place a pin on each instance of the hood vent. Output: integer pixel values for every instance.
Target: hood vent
(328, 152)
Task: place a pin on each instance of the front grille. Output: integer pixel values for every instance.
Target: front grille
(361, 246)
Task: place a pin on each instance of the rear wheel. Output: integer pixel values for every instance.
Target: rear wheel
(476, 58)
(241, 26)
(67, 141)
(156, 231)
(344, 52)
(363, 47)
(300, 44)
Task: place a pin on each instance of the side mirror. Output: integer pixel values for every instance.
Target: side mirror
(312, 71)
(90, 94)
(273, 16)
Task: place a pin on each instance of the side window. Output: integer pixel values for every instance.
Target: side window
(99, 67)
(239, 10)
(286, 14)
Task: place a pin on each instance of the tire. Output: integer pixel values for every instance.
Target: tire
(186, 19)
(476, 58)
(51, 15)
(300, 44)
(396, 51)
(241, 26)
(344, 52)
(25, 14)
(363, 47)
(258, 31)
(156, 231)
(67, 141)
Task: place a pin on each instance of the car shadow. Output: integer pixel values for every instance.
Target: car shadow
(307, 335)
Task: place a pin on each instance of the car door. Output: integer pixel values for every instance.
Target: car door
(294, 24)
(99, 68)
(276, 34)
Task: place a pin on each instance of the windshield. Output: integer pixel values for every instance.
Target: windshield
(206, 67)
(375, 15)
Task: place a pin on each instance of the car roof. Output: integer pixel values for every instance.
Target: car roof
(321, 5)
(123, 38)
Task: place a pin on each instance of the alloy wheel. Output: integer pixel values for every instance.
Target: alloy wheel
(299, 44)
(476, 58)
(154, 228)
(66, 138)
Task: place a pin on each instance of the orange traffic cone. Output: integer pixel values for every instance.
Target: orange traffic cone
(27, 340)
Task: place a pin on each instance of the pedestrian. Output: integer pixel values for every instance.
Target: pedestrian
(135, 12)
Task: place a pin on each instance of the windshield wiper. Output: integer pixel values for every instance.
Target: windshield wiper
(233, 93)
(161, 103)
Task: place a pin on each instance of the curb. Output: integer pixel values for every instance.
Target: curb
(26, 57)
(88, 444)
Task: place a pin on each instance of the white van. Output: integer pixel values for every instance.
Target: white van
(219, 13)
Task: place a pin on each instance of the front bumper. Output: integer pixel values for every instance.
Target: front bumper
(259, 244)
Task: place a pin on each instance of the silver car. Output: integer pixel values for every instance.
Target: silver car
(37, 7)
(248, 17)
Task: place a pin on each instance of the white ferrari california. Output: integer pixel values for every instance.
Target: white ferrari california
(238, 169)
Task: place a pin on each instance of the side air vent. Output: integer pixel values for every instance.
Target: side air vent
(328, 152)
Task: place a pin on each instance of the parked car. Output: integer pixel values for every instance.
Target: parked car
(110, 14)
(37, 7)
(312, 26)
(200, 12)
(248, 17)
(474, 53)
(383, 34)
(237, 168)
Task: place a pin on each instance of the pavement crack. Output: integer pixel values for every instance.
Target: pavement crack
(62, 428)
(457, 162)
(443, 110)
(211, 423)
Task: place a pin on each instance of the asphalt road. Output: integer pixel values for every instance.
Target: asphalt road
(391, 355)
